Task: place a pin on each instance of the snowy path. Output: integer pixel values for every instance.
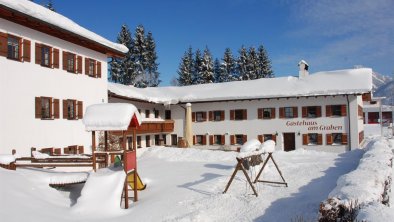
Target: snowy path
(187, 185)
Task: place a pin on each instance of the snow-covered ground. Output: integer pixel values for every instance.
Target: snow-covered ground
(186, 185)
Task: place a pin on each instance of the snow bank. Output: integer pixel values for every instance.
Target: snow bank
(110, 116)
(376, 212)
(41, 13)
(68, 177)
(101, 194)
(322, 83)
(367, 184)
(6, 159)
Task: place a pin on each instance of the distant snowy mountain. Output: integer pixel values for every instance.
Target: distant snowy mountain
(383, 86)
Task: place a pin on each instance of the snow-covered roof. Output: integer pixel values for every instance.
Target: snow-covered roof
(41, 13)
(350, 81)
(110, 116)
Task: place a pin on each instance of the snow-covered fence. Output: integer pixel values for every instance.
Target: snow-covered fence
(370, 182)
(7, 162)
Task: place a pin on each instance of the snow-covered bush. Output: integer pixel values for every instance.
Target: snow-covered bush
(367, 184)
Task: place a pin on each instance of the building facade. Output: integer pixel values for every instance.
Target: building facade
(321, 119)
(49, 75)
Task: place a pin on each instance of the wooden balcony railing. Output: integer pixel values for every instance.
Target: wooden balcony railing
(166, 126)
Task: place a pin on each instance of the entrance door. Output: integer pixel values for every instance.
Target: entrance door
(289, 141)
(174, 139)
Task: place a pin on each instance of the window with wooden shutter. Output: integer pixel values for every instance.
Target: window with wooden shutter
(80, 109)
(222, 140)
(98, 69)
(260, 138)
(38, 107)
(273, 113)
(87, 60)
(3, 44)
(232, 114)
(343, 110)
(56, 108)
(318, 111)
(282, 112)
(79, 64)
(319, 139)
(211, 140)
(193, 116)
(259, 113)
(38, 53)
(65, 60)
(328, 139)
(304, 112)
(210, 115)
(328, 111)
(26, 50)
(295, 112)
(232, 139)
(305, 139)
(65, 111)
(55, 58)
(204, 140)
(344, 138)
(204, 116)
(222, 115)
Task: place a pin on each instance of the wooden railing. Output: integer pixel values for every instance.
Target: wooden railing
(166, 126)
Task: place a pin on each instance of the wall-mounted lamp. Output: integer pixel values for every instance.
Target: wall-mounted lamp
(276, 133)
(227, 133)
(207, 133)
(298, 133)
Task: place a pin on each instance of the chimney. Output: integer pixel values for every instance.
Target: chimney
(303, 69)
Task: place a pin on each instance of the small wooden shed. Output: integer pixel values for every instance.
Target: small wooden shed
(117, 118)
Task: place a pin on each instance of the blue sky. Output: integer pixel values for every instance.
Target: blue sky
(328, 34)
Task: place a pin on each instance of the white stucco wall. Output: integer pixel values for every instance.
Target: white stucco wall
(21, 82)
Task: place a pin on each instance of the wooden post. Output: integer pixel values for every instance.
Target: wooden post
(240, 167)
(135, 170)
(94, 149)
(126, 189)
(277, 168)
(106, 140)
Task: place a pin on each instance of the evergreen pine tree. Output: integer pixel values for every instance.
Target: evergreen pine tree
(197, 68)
(185, 70)
(122, 69)
(252, 63)
(242, 64)
(216, 70)
(264, 63)
(139, 55)
(152, 65)
(227, 67)
(207, 67)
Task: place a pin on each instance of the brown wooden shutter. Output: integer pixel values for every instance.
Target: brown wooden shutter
(38, 53)
(318, 111)
(3, 44)
(344, 138)
(305, 139)
(210, 115)
(259, 113)
(319, 139)
(204, 116)
(79, 65)
(65, 113)
(80, 109)
(194, 140)
(273, 114)
(328, 111)
(26, 50)
(193, 116)
(98, 69)
(87, 63)
(222, 139)
(211, 140)
(232, 139)
(273, 137)
(329, 139)
(281, 112)
(56, 108)
(38, 107)
(222, 115)
(245, 138)
(75, 64)
(245, 114)
(80, 150)
(20, 50)
(204, 140)
(295, 112)
(260, 138)
(55, 58)
(65, 60)
(232, 114)
(304, 111)
(343, 110)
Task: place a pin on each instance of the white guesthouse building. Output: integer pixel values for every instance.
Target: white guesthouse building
(51, 69)
(321, 111)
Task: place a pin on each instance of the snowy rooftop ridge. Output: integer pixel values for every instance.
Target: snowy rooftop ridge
(339, 82)
(110, 116)
(41, 13)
